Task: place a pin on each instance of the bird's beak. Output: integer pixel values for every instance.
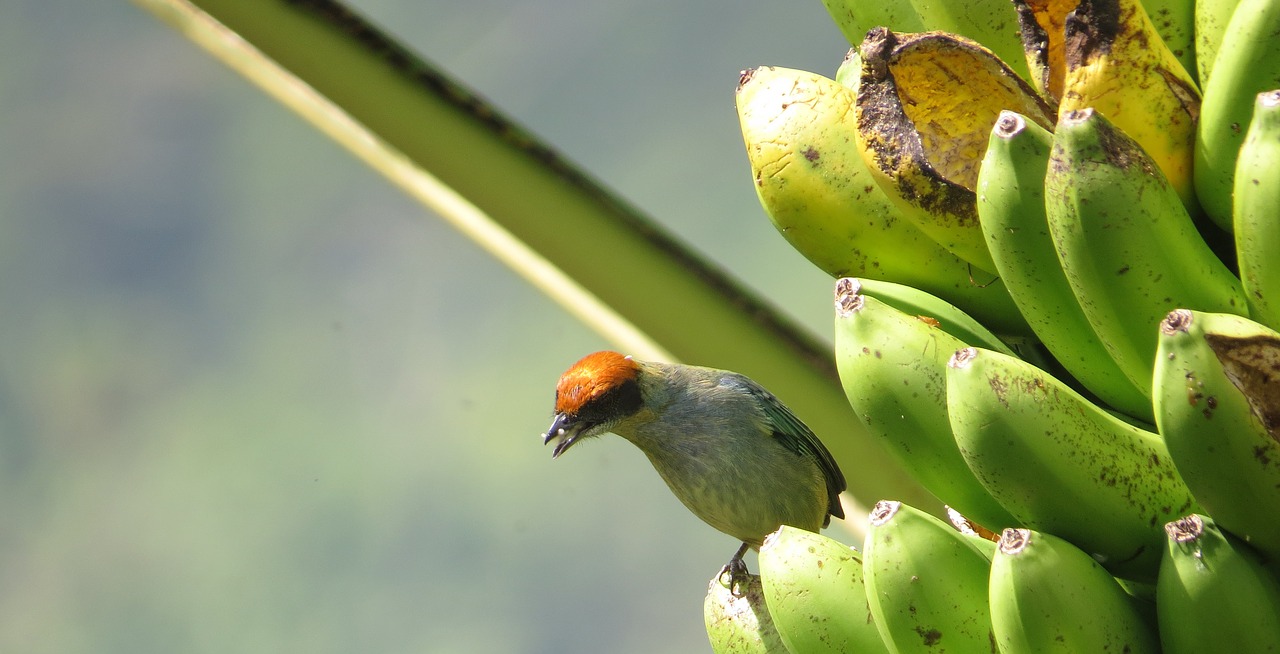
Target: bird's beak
(564, 431)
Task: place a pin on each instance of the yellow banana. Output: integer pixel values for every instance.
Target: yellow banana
(1117, 64)
(925, 105)
(1043, 23)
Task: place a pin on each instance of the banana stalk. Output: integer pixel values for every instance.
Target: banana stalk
(925, 152)
(926, 582)
(812, 181)
(1218, 409)
(1126, 242)
(1257, 203)
(1061, 464)
(1011, 209)
(1048, 596)
(1117, 64)
(813, 586)
(892, 366)
(1214, 594)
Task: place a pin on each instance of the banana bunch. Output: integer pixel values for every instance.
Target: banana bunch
(1054, 226)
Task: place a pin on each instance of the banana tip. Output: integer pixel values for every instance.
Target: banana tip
(849, 298)
(883, 511)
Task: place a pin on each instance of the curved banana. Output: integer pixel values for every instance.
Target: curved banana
(1211, 18)
(1047, 596)
(1256, 201)
(1214, 594)
(1175, 22)
(856, 17)
(1061, 464)
(811, 179)
(814, 589)
(1248, 63)
(926, 582)
(892, 366)
(1011, 209)
(1117, 64)
(739, 624)
(925, 153)
(915, 302)
(1125, 241)
(1218, 407)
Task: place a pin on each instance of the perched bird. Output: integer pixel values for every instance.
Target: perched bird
(734, 455)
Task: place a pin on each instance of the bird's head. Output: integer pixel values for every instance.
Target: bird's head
(592, 396)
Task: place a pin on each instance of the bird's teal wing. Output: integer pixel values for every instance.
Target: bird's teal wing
(797, 437)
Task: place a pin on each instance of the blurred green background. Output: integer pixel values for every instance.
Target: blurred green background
(252, 399)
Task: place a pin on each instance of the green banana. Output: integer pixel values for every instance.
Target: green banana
(813, 586)
(926, 582)
(739, 624)
(849, 70)
(1175, 22)
(1048, 596)
(892, 366)
(1011, 209)
(1214, 594)
(915, 302)
(1256, 201)
(993, 23)
(1061, 464)
(856, 17)
(1126, 242)
(1247, 64)
(811, 179)
(925, 151)
(1218, 407)
(1211, 18)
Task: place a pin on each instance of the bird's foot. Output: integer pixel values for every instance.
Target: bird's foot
(734, 575)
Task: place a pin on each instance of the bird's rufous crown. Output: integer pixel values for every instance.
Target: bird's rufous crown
(591, 377)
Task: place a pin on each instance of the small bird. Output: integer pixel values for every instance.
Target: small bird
(729, 450)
